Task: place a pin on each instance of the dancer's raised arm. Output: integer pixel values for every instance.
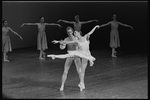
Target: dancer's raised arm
(65, 21)
(15, 33)
(29, 24)
(89, 21)
(125, 25)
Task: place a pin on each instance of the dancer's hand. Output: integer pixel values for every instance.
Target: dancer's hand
(59, 20)
(22, 25)
(60, 26)
(131, 27)
(55, 41)
(96, 20)
(21, 38)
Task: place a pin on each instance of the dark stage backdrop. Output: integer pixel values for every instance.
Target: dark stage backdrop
(131, 13)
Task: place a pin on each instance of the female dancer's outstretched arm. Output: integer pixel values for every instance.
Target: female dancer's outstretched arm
(105, 24)
(89, 21)
(63, 42)
(29, 24)
(52, 24)
(125, 25)
(65, 21)
(15, 33)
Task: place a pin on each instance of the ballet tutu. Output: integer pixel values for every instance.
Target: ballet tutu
(85, 55)
(114, 39)
(6, 43)
(42, 41)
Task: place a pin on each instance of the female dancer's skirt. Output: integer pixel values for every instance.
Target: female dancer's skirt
(86, 55)
(6, 43)
(42, 41)
(114, 39)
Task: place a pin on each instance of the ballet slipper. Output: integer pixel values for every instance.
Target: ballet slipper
(61, 88)
(91, 63)
(41, 58)
(81, 86)
(114, 56)
(52, 56)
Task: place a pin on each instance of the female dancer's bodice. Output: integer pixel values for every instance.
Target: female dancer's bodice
(41, 27)
(114, 25)
(84, 46)
(5, 30)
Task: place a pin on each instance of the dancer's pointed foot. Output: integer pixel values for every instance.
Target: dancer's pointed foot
(91, 63)
(41, 58)
(52, 56)
(61, 88)
(81, 86)
(114, 56)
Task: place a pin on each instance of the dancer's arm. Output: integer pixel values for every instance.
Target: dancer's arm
(89, 21)
(64, 41)
(125, 25)
(53, 24)
(29, 24)
(15, 33)
(105, 24)
(65, 21)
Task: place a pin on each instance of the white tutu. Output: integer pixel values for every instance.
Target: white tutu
(81, 54)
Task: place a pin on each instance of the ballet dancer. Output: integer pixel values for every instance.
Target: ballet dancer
(69, 60)
(41, 38)
(6, 43)
(77, 23)
(114, 34)
(82, 52)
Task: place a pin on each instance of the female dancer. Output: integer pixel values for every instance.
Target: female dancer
(77, 24)
(6, 43)
(114, 34)
(41, 39)
(83, 52)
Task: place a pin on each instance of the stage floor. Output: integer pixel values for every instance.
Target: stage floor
(25, 76)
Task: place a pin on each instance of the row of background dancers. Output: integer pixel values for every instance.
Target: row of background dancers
(42, 40)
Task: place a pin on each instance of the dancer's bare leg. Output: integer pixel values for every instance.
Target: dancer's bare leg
(63, 56)
(66, 69)
(78, 66)
(84, 65)
(5, 59)
(113, 52)
(42, 54)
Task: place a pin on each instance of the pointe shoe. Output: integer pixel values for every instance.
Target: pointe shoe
(41, 58)
(52, 56)
(81, 86)
(61, 88)
(114, 56)
(91, 63)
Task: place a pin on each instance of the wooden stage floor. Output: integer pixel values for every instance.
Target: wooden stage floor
(25, 76)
